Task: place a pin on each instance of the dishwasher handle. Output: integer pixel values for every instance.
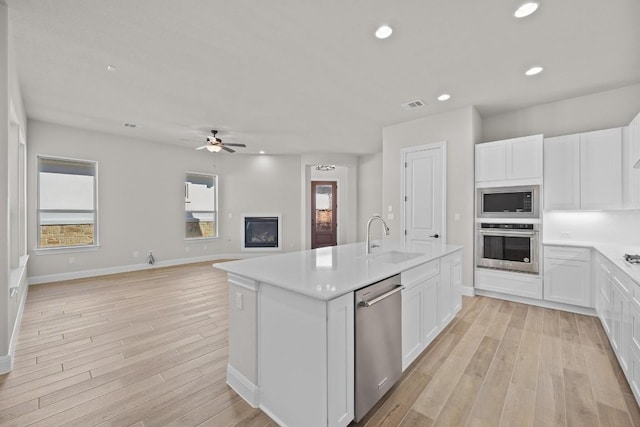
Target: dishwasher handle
(377, 299)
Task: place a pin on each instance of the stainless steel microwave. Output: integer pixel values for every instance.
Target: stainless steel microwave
(509, 202)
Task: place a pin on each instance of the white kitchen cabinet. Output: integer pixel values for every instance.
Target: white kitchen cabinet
(412, 322)
(630, 175)
(603, 275)
(567, 275)
(583, 171)
(620, 334)
(509, 160)
(430, 300)
(451, 279)
(601, 169)
(491, 161)
(562, 173)
(634, 344)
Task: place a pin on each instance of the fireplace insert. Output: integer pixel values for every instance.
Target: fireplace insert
(261, 232)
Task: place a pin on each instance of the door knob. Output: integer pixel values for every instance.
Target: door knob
(435, 236)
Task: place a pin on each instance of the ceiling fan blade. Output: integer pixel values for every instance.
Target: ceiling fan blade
(228, 149)
(201, 147)
(232, 144)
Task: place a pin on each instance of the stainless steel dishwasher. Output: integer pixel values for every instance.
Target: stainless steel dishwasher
(378, 348)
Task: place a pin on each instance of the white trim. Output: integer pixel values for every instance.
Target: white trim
(539, 303)
(403, 158)
(468, 291)
(272, 416)
(6, 361)
(241, 385)
(257, 215)
(47, 278)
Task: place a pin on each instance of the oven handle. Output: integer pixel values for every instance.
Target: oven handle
(507, 233)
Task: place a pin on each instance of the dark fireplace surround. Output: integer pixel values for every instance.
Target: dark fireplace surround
(261, 232)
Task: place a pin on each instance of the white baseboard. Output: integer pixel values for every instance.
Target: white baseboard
(245, 388)
(468, 291)
(48, 278)
(539, 303)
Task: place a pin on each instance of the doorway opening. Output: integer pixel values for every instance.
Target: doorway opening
(324, 214)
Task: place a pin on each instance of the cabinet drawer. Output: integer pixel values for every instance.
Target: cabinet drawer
(567, 252)
(623, 281)
(420, 273)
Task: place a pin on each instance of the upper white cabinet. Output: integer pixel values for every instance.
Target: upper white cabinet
(562, 172)
(600, 169)
(630, 175)
(509, 160)
(583, 171)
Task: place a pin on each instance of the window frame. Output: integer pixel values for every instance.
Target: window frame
(96, 210)
(216, 210)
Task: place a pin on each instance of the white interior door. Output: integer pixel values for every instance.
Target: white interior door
(425, 194)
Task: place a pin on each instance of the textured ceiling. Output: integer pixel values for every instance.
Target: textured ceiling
(292, 76)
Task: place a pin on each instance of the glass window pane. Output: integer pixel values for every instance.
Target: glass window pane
(67, 202)
(324, 208)
(200, 206)
(66, 192)
(66, 229)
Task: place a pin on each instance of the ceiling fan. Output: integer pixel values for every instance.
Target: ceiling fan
(215, 144)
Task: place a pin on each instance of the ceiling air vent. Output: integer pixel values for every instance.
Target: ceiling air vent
(412, 105)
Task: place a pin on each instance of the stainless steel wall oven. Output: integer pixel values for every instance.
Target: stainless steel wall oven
(511, 247)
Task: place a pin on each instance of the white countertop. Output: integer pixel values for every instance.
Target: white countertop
(613, 252)
(328, 273)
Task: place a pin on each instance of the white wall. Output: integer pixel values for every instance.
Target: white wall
(459, 129)
(619, 227)
(602, 110)
(141, 197)
(369, 190)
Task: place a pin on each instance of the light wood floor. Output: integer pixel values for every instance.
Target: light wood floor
(150, 349)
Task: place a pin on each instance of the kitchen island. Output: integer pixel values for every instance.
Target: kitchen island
(291, 322)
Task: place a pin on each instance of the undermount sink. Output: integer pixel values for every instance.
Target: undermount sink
(395, 257)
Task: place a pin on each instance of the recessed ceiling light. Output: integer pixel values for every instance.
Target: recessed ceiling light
(111, 67)
(130, 125)
(261, 151)
(533, 71)
(384, 31)
(526, 9)
(444, 97)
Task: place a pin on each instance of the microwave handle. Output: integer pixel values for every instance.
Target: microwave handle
(507, 233)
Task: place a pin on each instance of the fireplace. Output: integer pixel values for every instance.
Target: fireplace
(261, 232)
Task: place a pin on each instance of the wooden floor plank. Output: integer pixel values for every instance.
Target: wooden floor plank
(149, 348)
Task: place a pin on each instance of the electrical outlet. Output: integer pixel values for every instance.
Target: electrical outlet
(565, 235)
(230, 215)
(456, 217)
(186, 248)
(72, 260)
(390, 208)
(390, 216)
(204, 247)
(136, 254)
(238, 300)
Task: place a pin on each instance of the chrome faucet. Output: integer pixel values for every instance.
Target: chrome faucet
(385, 227)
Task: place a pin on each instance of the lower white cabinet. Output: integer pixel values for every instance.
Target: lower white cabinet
(567, 275)
(430, 300)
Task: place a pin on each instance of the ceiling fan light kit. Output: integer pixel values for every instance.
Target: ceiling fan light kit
(214, 144)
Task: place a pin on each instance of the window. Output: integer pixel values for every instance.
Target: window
(67, 203)
(201, 204)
